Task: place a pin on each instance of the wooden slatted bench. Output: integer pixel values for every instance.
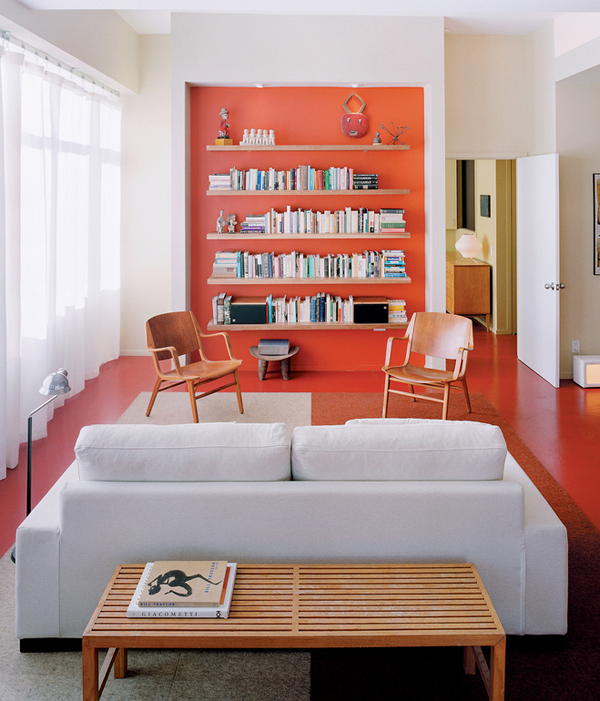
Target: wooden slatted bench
(312, 606)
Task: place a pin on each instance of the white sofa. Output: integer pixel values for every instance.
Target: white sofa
(370, 491)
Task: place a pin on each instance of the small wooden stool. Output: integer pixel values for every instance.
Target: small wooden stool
(263, 361)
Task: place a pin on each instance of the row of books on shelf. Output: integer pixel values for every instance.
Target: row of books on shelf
(341, 221)
(303, 177)
(320, 307)
(184, 589)
(368, 264)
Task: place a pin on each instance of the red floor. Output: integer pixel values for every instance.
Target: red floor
(559, 426)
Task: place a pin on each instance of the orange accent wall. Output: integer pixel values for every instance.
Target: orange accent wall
(308, 115)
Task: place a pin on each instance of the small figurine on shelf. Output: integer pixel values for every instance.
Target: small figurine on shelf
(252, 139)
(224, 138)
(221, 223)
(231, 223)
(271, 138)
(259, 138)
(246, 139)
(377, 138)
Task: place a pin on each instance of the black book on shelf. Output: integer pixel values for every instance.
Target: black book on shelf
(370, 310)
(248, 310)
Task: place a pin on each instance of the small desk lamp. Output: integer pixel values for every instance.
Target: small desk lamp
(56, 383)
(468, 245)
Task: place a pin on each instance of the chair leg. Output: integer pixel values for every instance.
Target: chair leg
(466, 393)
(154, 395)
(386, 396)
(238, 391)
(192, 392)
(411, 389)
(446, 400)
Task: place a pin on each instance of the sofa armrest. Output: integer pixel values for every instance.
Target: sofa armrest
(547, 559)
(37, 560)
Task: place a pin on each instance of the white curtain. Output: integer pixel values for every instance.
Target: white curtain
(59, 239)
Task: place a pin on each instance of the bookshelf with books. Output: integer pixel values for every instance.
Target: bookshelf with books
(367, 267)
(316, 312)
(321, 200)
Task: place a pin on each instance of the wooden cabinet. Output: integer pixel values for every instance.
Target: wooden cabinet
(468, 284)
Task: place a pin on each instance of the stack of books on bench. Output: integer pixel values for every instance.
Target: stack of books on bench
(184, 589)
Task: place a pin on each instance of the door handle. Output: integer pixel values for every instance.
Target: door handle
(549, 286)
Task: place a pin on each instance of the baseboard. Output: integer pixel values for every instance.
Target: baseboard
(50, 645)
(135, 353)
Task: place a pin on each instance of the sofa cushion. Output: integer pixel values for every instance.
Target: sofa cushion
(399, 450)
(211, 452)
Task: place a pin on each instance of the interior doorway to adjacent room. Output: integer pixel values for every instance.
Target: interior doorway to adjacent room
(481, 199)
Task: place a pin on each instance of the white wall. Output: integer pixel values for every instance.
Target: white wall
(486, 96)
(541, 133)
(584, 58)
(578, 139)
(146, 196)
(574, 29)
(284, 50)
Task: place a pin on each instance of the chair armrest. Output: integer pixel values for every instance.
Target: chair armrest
(460, 365)
(389, 347)
(174, 357)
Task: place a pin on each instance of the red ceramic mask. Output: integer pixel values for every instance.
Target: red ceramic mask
(354, 124)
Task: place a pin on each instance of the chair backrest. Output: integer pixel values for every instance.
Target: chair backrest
(440, 335)
(177, 329)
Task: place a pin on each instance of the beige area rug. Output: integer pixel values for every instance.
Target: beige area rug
(291, 408)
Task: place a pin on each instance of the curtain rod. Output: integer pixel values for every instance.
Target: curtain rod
(6, 37)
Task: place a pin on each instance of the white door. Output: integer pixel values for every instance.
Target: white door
(538, 285)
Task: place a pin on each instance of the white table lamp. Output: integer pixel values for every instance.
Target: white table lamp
(468, 245)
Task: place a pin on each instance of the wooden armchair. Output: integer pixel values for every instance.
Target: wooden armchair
(176, 334)
(446, 336)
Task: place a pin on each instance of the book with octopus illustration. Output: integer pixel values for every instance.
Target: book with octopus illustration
(188, 588)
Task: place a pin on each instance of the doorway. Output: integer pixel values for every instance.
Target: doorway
(481, 199)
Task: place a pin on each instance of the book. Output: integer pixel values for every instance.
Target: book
(220, 318)
(221, 610)
(274, 346)
(184, 583)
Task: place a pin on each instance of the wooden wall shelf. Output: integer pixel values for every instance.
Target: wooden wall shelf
(317, 147)
(303, 326)
(303, 193)
(226, 281)
(238, 236)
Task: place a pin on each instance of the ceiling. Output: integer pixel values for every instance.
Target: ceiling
(461, 16)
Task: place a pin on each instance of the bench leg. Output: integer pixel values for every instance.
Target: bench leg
(497, 671)
(494, 675)
(95, 678)
(469, 662)
(121, 663)
(89, 657)
(285, 368)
